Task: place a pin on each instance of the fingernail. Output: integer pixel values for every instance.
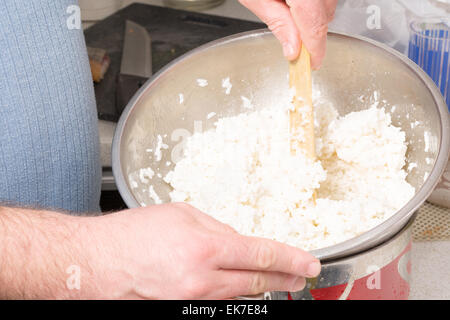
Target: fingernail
(316, 68)
(288, 50)
(313, 269)
(298, 285)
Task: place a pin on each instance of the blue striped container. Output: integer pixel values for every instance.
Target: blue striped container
(429, 47)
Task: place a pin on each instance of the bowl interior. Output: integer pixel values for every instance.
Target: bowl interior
(355, 75)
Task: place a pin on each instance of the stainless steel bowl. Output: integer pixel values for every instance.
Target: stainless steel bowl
(353, 70)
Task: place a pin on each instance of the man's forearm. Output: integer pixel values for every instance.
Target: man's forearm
(42, 254)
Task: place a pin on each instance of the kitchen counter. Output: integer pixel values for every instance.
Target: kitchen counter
(430, 270)
(430, 259)
(430, 254)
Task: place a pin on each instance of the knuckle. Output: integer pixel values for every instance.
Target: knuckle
(202, 249)
(277, 26)
(204, 253)
(295, 4)
(293, 265)
(258, 283)
(319, 29)
(183, 206)
(196, 251)
(194, 288)
(265, 256)
(331, 15)
(229, 229)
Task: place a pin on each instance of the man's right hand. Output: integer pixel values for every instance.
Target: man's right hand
(297, 21)
(174, 251)
(170, 251)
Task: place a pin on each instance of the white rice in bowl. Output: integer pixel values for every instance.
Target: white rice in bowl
(243, 174)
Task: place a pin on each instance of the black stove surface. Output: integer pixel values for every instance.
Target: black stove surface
(173, 33)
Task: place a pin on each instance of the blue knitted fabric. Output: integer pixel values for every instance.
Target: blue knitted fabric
(49, 145)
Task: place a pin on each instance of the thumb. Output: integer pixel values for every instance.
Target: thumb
(277, 16)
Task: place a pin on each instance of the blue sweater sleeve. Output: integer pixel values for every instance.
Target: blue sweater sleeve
(49, 145)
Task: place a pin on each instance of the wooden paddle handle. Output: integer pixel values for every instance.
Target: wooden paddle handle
(302, 116)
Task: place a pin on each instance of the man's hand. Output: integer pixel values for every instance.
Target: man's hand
(294, 21)
(170, 251)
(174, 251)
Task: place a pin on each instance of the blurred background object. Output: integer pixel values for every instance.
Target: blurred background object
(429, 47)
(99, 62)
(394, 17)
(96, 10)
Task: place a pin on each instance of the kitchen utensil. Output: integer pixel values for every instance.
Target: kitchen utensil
(302, 117)
(136, 65)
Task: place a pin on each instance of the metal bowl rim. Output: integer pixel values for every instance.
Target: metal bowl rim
(368, 239)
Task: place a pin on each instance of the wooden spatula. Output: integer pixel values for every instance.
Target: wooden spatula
(302, 117)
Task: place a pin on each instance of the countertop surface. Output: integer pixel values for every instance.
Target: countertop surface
(430, 270)
(430, 259)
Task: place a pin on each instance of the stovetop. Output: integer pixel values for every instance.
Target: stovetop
(173, 33)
